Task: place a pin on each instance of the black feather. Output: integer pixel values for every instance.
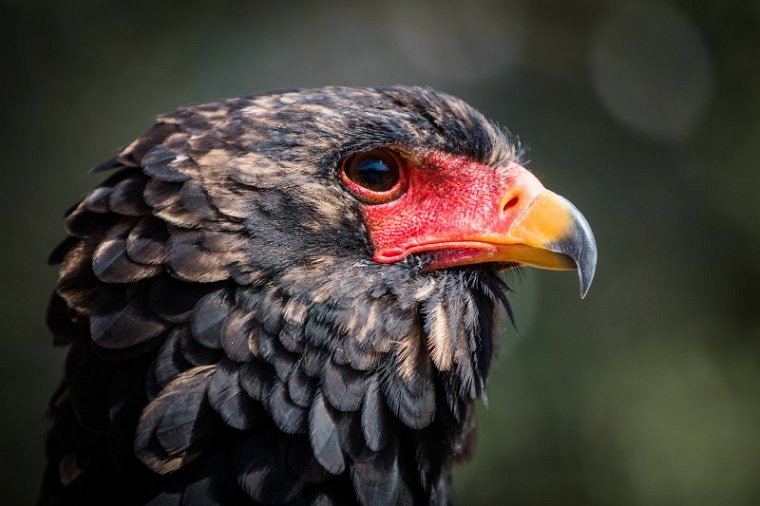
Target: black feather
(111, 263)
(358, 357)
(259, 472)
(291, 337)
(351, 438)
(157, 164)
(174, 300)
(208, 318)
(194, 198)
(301, 387)
(312, 361)
(190, 260)
(111, 164)
(237, 331)
(273, 352)
(376, 422)
(88, 382)
(161, 195)
(323, 436)
(210, 481)
(169, 362)
(411, 396)
(175, 426)
(194, 352)
(97, 200)
(268, 305)
(257, 379)
(227, 397)
(288, 416)
(83, 223)
(60, 251)
(122, 318)
(301, 463)
(126, 197)
(342, 386)
(378, 481)
(146, 242)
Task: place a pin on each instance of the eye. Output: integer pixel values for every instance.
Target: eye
(375, 176)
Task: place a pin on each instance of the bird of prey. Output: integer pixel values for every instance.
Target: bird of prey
(292, 298)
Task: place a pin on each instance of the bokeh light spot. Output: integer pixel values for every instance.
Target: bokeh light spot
(651, 69)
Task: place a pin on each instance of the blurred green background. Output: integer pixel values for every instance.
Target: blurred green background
(645, 114)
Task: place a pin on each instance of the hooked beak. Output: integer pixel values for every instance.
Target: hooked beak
(532, 226)
(551, 234)
(469, 215)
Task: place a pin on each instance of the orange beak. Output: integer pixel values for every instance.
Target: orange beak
(550, 233)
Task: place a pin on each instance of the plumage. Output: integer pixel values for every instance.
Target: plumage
(174, 426)
(350, 435)
(126, 197)
(343, 387)
(323, 436)
(121, 318)
(380, 480)
(257, 379)
(146, 242)
(169, 362)
(301, 387)
(288, 416)
(228, 398)
(237, 336)
(209, 317)
(260, 469)
(375, 422)
(111, 262)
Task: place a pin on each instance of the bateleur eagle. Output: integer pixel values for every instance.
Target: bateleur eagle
(292, 298)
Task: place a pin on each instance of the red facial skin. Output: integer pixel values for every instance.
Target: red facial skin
(450, 204)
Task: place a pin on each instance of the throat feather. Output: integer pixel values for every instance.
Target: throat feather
(439, 339)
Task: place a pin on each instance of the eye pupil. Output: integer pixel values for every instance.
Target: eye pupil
(373, 174)
(375, 171)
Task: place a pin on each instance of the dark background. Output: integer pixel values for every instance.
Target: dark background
(644, 114)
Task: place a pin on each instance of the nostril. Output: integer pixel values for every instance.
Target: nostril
(511, 203)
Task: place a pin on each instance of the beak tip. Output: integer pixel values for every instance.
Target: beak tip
(582, 247)
(587, 266)
(585, 282)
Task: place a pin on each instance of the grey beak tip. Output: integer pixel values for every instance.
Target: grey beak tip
(586, 261)
(585, 281)
(584, 252)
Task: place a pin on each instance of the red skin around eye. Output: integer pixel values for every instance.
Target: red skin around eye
(449, 201)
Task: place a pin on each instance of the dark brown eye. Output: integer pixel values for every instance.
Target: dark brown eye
(375, 175)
